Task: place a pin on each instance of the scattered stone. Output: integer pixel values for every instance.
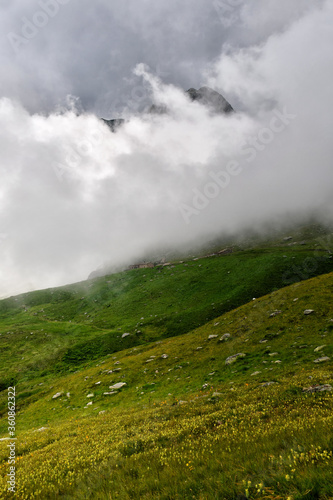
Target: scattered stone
(211, 374)
(215, 324)
(217, 394)
(211, 337)
(110, 393)
(89, 404)
(266, 384)
(317, 388)
(115, 370)
(101, 412)
(164, 356)
(275, 313)
(322, 360)
(117, 363)
(226, 336)
(262, 341)
(255, 373)
(179, 402)
(273, 354)
(119, 385)
(295, 300)
(232, 359)
(41, 429)
(57, 395)
(198, 348)
(90, 395)
(97, 383)
(125, 335)
(68, 394)
(205, 386)
(278, 361)
(308, 311)
(319, 348)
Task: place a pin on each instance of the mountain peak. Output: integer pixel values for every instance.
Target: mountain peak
(211, 98)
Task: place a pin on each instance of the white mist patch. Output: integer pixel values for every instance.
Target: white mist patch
(74, 196)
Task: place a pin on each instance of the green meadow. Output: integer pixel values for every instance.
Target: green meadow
(185, 420)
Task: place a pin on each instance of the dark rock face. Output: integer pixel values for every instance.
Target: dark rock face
(205, 95)
(114, 124)
(210, 98)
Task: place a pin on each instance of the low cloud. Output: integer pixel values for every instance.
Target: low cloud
(74, 196)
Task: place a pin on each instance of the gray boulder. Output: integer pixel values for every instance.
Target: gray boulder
(234, 358)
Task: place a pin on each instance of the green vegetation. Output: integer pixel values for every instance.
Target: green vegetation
(185, 424)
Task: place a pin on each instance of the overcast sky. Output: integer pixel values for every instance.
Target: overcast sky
(73, 196)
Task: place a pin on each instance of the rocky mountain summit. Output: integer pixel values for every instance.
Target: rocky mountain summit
(209, 97)
(205, 95)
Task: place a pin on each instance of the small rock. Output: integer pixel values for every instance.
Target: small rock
(57, 395)
(182, 402)
(119, 385)
(205, 386)
(319, 348)
(232, 359)
(275, 313)
(68, 394)
(226, 336)
(211, 374)
(322, 360)
(262, 341)
(125, 335)
(308, 311)
(273, 354)
(110, 393)
(317, 388)
(198, 348)
(90, 395)
(211, 337)
(266, 384)
(255, 373)
(278, 361)
(164, 356)
(101, 412)
(97, 383)
(89, 404)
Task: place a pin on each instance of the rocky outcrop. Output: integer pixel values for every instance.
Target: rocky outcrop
(114, 124)
(205, 95)
(210, 98)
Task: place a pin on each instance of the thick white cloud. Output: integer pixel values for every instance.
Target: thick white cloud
(74, 196)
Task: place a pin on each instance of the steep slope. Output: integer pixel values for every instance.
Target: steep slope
(57, 330)
(187, 422)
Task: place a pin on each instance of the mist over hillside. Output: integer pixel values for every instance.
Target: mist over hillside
(74, 196)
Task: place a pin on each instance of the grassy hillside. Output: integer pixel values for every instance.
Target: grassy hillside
(186, 424)
(46, 333)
